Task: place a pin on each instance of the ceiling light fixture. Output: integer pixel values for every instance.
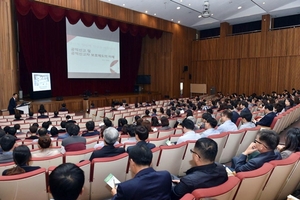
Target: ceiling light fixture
(178, 22)
(123, 4)
(239, 7)
(178, 8)
(146, 11)
(155, 14)
(206, 11)
(264, 2)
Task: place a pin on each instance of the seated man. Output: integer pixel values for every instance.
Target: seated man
(131, 134)
(268, 118)
(246, 120)
(74, 142)
(90, 126)
(63, 107)
(110, 136)
(146, 183)
(205, 174)
(141, 135)
(66, 182)
(210, 126)
(32, 132)
(264, 145)
(7, 144)
(188, 130)
(227, 125)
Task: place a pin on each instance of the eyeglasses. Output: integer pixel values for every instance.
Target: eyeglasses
(191, 150)
(256, 141)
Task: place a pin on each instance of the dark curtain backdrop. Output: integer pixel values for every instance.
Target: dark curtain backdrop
(43, 49)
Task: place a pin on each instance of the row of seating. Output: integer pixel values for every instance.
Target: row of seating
(273, 181)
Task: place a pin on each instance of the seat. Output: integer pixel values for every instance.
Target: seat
(187, 161)
(77, 156)
(77, 118)
(92, 114)
(252, 182)
(220, 139)
(170, 158)
(292, 181)
(92, 138)
(129, 144)
(178, 131)
(174, 138)
(85, 119)
(249, 137)
(46, 162)
(224, 191)
(101, 168)
(279, 175)
(188, 196)
(172, 122)
(21, 186)
(155, 152)
(238, 122)
(233, 141)
(85, 166)
(159, 141)
(163, 133)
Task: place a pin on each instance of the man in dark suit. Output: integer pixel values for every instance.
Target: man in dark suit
(12, 104)
(141, 135)
(147, 183)
(110, 136)
(268, 118)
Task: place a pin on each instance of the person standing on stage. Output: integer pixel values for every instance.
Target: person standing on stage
(12, 104)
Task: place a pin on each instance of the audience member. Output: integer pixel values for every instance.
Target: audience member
(32, 132)
(291, 143)
(56, 114)
(268, 118)
(44, 144)
(18, 117)
(164, 124)
(141, 135)
(42, 112)
(7, 144)
(66, 182)
(205, 117)
(121, 123)
(155, 122)
(30, 115)
(146, 182)
(12, 131)
(54, 132)
(110, 137)
(66, 135)
(210, 126)
(74, 142)
(265, 143)
(131, 134)
(246, 120)
(18, 129)
(90, 126)
(21, 156)
(188, 130)
(63, 127)
(206, 173)
(107, 123)
(63, 107)
(227, 125)
(70, 120)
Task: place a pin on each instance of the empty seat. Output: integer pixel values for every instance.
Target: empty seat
(224, 191)
(77, 156)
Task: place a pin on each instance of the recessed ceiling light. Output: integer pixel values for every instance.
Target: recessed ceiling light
(212, 14)
(199, 16)
(264, 2)
(123, 4)
(146, 11)
(239, 7)
(189, 4)
(155, 14)
(178, 8)
(171, 19)
(178, 22)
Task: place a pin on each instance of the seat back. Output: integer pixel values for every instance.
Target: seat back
(188, 196)
(21, 186)
(187, 161)
(159, 141)
(46, 162)
(163, 133)
(252, 182)
(101, 168)
(233, 141)
(249, 137)
(77, 156)
(292, 181)
(5, 166)
(155, 157)
(281, 171)
(224, 191)
(170, 158)
(220, 139)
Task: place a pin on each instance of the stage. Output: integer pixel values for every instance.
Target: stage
(79, 104)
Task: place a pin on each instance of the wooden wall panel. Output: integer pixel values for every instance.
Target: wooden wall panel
(9, 81)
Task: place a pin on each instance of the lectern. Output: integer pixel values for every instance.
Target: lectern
(24, 108)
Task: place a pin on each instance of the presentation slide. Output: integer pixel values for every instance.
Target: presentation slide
(92, 52)
(41, 82)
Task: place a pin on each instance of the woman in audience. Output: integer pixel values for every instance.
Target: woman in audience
(147, 124)
(164, 124)
(54, 132)
(22, 156)
(121, 123)
(155, 122)
(147, 114)
(288, 103)
(45, 150)
(264, 145)
(291, 143)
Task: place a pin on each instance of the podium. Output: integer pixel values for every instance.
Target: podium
(24, 108)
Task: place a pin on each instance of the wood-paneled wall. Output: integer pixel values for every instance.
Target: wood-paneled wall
(257, 62)
(8, 63)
